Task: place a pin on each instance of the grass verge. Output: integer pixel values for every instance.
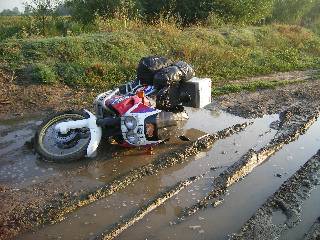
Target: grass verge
(104, 60)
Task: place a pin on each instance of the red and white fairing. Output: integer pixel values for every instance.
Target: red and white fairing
(137, 110)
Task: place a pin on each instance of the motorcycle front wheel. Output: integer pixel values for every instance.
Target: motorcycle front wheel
(56, 147)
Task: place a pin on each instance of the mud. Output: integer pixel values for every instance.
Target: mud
(69, 193)
(314, 232)
(284, 76)
(241, 200)
(293, 122)
(54, 210)
(140, 213)
(22, 98)
(286, 202)
(270, 101)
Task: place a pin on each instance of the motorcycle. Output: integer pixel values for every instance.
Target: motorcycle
(126, 115)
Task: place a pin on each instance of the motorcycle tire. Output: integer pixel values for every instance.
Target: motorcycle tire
(62, 148)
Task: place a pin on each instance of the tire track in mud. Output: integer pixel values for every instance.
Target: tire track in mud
(55, 210)
(314, 232)
(287, 201)
(293, 123)
(131, 219)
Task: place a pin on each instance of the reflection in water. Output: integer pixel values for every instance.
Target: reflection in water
(242, 199)
(19, 165)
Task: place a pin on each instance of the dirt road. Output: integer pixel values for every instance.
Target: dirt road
(251, 171)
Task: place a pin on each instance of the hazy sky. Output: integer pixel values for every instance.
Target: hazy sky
(9, 4)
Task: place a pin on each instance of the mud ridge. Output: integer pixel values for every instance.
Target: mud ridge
(291, 128)
(128, 221)
(314, 232)
(287, 200)
(56, 209)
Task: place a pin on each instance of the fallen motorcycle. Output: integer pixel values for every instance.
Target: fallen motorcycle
(127, 115)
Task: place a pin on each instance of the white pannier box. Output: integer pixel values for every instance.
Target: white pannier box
(199, 89)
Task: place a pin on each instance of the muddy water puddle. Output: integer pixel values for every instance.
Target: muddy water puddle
(20, 167)
(242, 199)
(17, 162)
(90, 220)
(245, 197)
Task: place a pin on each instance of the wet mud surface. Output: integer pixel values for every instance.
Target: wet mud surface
(314, 232)
(130, 220)
(293, 122)
(282, 211)
(61, 191)
(270, 101)
(258, 177)
(284, 76)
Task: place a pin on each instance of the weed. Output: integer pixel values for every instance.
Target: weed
(43, 73)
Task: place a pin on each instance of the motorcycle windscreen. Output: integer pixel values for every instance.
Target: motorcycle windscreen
(162, 126)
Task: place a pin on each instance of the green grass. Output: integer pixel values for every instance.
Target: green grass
(25, 27)
(106, 59)
(43, 74)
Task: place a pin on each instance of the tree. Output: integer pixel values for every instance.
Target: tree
(187, 11)
(86, 11)
(42, 10)
(313, 14)
(245, 11)
(7, 12)
(62, 10)
(190, 11)
(291, 11)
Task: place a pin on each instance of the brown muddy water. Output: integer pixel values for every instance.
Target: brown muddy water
(20, 167)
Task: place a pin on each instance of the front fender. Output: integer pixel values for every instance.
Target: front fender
(96, 135)
(95, 131)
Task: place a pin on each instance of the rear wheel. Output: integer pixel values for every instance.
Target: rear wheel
(57, 147)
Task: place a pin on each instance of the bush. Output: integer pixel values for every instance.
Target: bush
(42, 73)
(290, 11)
(184, 11)
(72, 74)
(190, 11)
(86, 11)
(11, 26)
(300, 12)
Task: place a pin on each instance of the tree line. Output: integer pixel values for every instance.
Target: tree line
(185, 12)
(10, 12)
(191, 12)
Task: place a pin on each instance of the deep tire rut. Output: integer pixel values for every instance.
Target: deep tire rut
(293, 123)
(56, 210)
(288, 201)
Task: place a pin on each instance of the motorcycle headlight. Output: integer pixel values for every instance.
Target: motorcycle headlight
(130, 123)
(132, 137)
